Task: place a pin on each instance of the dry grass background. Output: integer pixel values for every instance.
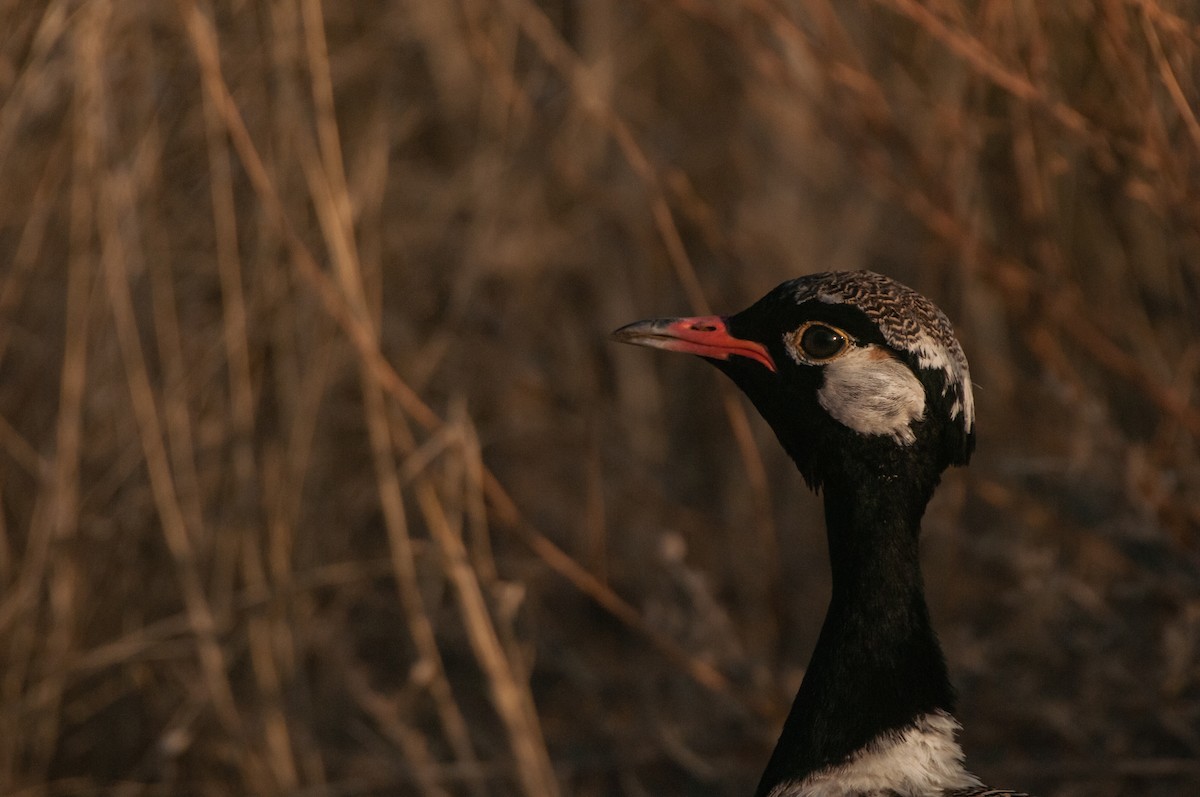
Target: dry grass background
(319, 476)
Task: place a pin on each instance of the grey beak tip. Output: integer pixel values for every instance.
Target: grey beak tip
(630, 333)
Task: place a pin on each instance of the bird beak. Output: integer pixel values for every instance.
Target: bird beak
(707, 336)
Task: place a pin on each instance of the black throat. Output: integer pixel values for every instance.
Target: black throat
(877, 665)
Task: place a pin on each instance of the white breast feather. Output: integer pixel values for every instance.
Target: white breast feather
(921, 761)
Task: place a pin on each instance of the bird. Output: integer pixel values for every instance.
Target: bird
(868, 391)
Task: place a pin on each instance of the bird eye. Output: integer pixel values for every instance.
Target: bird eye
(821, 342)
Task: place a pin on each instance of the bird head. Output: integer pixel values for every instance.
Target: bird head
(857, 374)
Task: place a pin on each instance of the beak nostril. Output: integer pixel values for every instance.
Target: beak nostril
(704, 327)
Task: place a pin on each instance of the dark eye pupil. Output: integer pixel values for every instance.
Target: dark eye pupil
(821, 342)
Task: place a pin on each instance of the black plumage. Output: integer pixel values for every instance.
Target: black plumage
(869, 392)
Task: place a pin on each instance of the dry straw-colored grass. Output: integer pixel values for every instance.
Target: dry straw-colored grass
(319, 477)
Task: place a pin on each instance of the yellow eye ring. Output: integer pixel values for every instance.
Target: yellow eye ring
(819, 342)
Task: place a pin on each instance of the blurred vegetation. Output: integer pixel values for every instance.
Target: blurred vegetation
(318, 475)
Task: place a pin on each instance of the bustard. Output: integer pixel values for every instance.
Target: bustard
(867, 388)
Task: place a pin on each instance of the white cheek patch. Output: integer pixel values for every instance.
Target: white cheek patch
(873, 393)
(923, 759)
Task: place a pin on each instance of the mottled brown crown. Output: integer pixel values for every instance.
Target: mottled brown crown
(907, 320)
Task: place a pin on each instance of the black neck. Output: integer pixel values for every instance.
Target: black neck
(877, 665)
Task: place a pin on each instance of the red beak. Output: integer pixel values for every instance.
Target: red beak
(706, 336)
